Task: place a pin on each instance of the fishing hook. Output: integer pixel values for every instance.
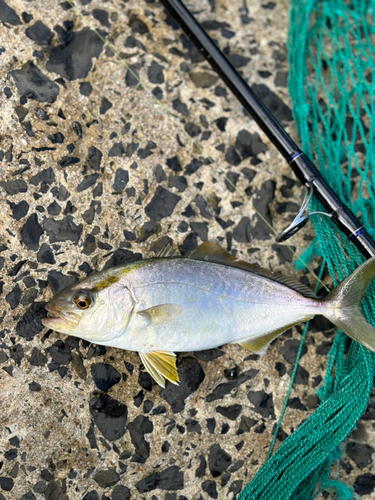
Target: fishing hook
(300, 220)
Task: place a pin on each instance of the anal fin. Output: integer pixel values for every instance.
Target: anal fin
(259, 345)
(161, 365)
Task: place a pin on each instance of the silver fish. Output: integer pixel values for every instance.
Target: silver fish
(168, 304)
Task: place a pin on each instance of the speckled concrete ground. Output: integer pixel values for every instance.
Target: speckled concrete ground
(94, 172)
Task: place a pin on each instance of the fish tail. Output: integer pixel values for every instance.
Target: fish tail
(343, 305)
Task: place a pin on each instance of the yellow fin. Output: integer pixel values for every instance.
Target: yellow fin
(162, 314)
(161, 365)
(259, 345)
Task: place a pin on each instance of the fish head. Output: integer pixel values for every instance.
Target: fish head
(91, 311)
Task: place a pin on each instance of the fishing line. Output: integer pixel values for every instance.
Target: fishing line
(302, 342)
(196, 144)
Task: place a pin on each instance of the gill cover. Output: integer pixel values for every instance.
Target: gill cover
(95, 310)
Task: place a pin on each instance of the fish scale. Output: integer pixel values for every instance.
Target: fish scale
(220, 305)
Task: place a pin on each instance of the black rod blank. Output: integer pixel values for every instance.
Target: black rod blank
(303, 168)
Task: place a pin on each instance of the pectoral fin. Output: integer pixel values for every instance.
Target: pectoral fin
(162, 314)
(161, 365)
(259, 345)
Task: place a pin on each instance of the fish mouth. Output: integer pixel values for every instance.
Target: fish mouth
(59, 320)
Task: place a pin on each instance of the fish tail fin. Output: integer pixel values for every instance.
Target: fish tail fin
(343, 305)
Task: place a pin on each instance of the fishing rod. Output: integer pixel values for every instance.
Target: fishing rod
(303, 168)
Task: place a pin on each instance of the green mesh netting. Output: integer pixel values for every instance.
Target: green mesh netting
(332, 83)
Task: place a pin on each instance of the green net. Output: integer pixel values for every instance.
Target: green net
(331, 58)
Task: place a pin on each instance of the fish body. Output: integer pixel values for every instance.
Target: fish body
(196, 305)
(165, 305)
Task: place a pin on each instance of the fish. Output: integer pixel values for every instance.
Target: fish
(173, 303)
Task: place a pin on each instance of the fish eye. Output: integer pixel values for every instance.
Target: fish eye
(82, 301)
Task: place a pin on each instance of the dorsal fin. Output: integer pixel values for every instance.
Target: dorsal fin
(167, 252)
(286, 281)
(211, 251)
